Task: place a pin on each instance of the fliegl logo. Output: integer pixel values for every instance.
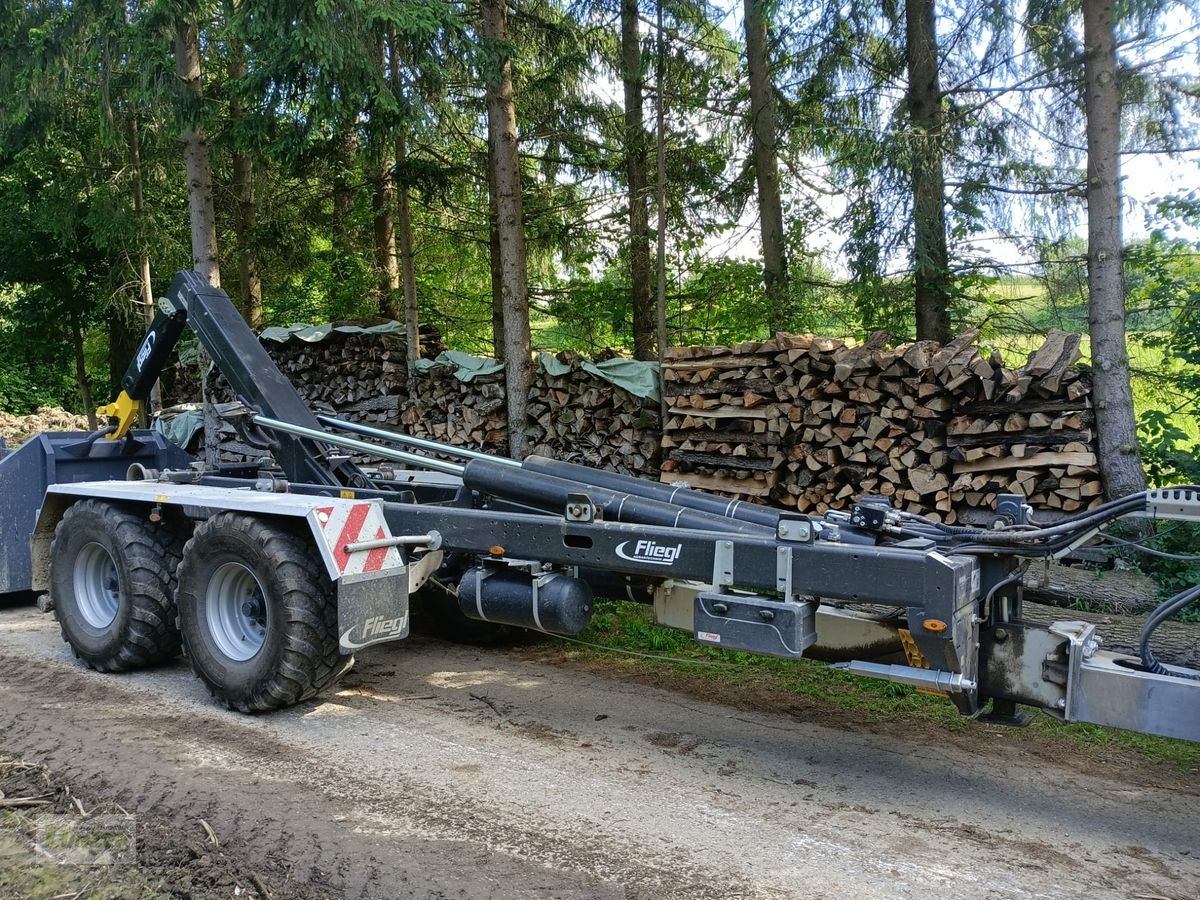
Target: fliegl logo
(650, 552)
(144, 351)
(376, 629)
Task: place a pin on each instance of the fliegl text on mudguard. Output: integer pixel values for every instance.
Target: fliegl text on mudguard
(373, 579)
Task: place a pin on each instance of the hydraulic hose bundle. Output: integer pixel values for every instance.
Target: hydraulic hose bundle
(1026, 540)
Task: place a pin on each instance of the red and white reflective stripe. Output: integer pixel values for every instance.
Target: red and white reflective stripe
(349, 523)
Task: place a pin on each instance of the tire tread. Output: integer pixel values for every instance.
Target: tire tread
(152, 554)
(311, 659)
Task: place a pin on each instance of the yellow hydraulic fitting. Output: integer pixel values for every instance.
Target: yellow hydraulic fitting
(125, 410)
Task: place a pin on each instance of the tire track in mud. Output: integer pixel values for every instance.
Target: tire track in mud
(360, 839)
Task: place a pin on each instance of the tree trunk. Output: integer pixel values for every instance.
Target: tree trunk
(764, 133)
(343, 207)
(931, 262)
(408, 272)
(382, 204)
(1116, 429)
(494, 267)
(385, 237)
(635, 171)
(660, 262)
(85, 387)
(195, 155)
(245, 221)
(245, 208)
(1174, 643)
(502, 130)
(146, 288)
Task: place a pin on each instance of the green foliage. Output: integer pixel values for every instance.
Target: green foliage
(319, 107)
(1163, 278)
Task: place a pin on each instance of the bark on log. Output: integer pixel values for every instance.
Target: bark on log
(1111, 591)
(1175, 643)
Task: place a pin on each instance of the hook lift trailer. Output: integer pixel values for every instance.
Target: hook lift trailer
(270, 577)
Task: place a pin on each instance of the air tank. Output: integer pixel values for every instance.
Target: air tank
(560, 605)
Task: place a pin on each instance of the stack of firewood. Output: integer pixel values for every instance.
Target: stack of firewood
(359, 377)
(810, 423)
(1035, 438)
(803, 422)
(468, 414)
(938, 429)
(580, 417)
(724, 429)
(346, 372)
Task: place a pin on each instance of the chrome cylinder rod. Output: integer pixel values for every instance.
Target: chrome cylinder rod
(421, 443)
(934, 679)
(411, 459)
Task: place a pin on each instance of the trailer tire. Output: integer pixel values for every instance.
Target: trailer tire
(112, 583)
(258, 613)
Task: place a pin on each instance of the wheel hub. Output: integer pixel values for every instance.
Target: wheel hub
(97, 587)
(236, 611)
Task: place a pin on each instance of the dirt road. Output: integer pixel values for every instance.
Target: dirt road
(439, 771)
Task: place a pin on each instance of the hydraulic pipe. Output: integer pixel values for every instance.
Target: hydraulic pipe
(421, 443)
(412, 459)
(664, 493)
(552, 494)
(678, 495)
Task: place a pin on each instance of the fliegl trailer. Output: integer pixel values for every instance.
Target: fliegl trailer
(269, 577)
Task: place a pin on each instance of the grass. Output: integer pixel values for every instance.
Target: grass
(1028, 317)
(25, 874)
(628, 628)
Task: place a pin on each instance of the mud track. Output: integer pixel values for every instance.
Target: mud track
(437, 771)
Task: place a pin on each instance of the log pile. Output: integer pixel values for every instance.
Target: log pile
(577, 416)
(359, 377)
(724, 429)
(1034, 437)
(468, 414)
(582, 418)
(811, 423)
(804, 422)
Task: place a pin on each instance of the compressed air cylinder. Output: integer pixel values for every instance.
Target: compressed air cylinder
(560, 605)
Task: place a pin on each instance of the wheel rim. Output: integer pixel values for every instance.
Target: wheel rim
(97, 588)
(236, 608)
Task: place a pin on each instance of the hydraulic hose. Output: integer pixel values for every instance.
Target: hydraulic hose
(1160, 615)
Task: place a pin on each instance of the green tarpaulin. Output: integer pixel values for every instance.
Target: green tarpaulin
(635, 376)
(314, 333)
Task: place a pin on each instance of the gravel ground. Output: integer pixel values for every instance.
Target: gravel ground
(440, 771)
